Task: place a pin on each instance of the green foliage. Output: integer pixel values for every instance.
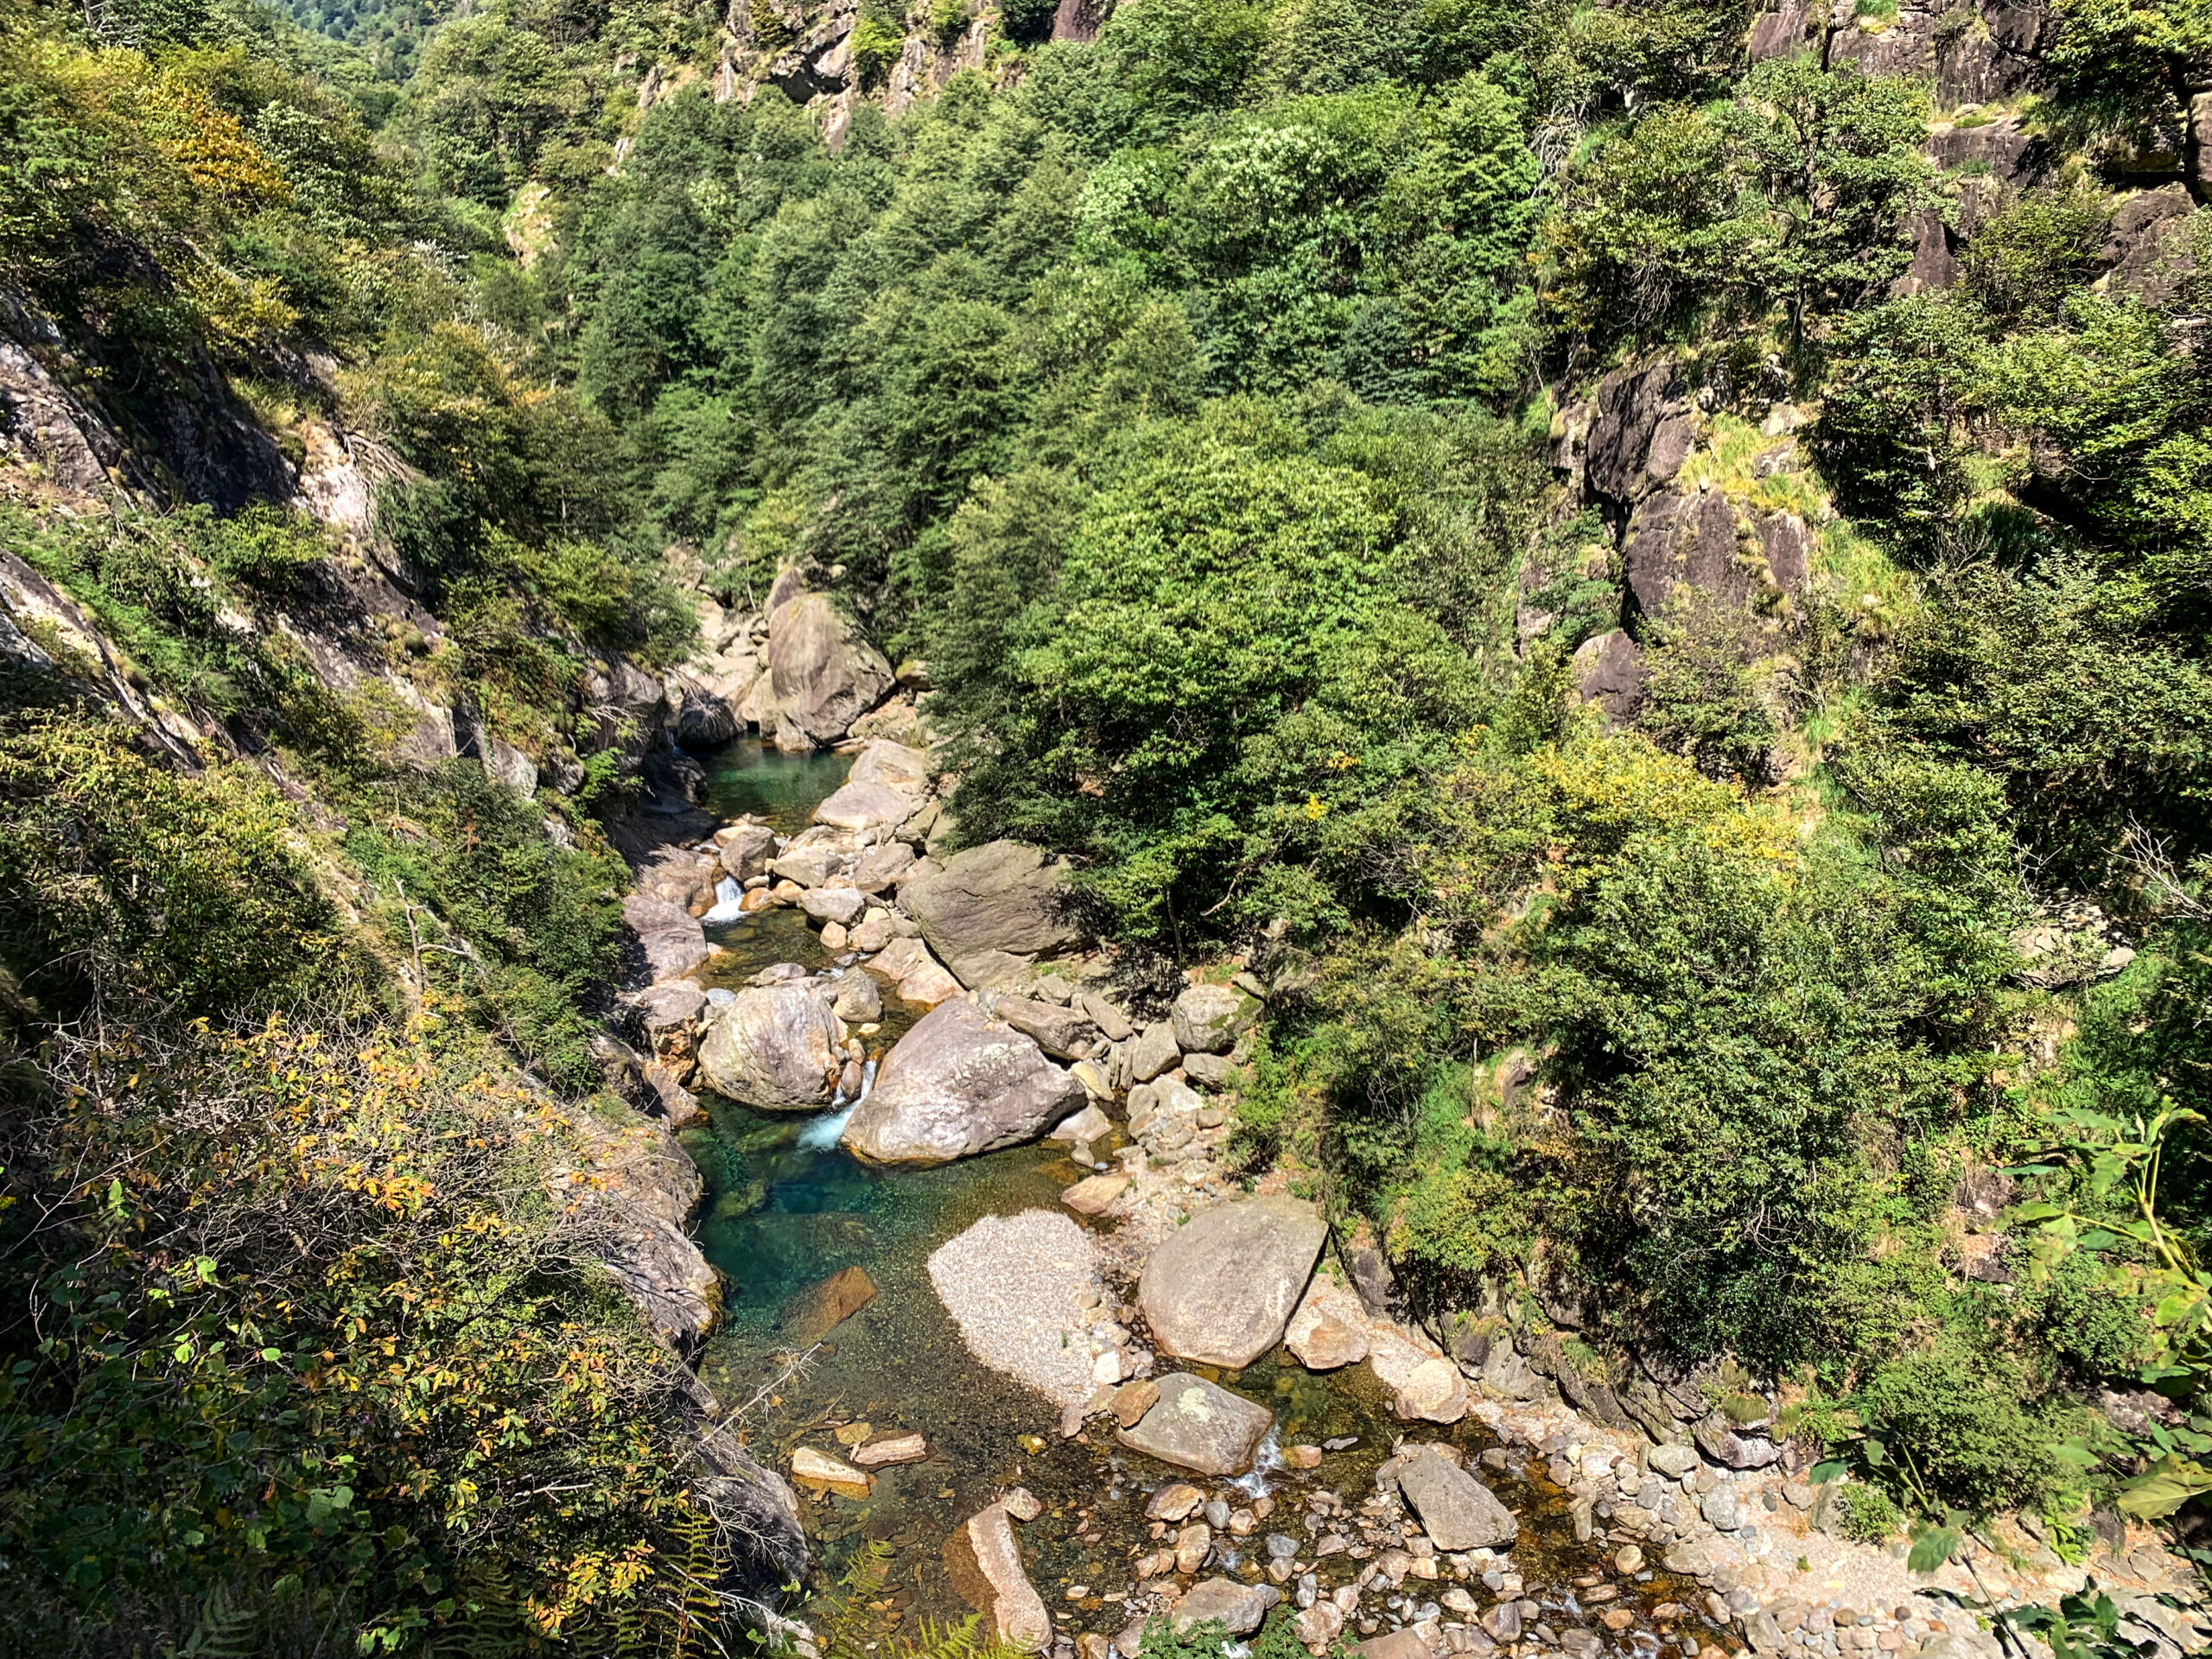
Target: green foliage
(1794, 196)
(1706, 696)
(1870, 1515)
(296, 1339)
(127, 886)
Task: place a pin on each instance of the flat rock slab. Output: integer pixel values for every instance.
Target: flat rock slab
(958, 1084)
(1222, 1288)
(1456, 1511)
(898, 1448)
(813, 1468)
(776, 1047)
(1199, 1426)
(1016, 1286)
(985, 1565)
(1094, 1194)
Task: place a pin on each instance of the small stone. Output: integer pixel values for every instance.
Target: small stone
(1023, 1504)
(1132, 1399)
(1095, 1195)
(1193, 1545)
(852, 1433)
(902, 1448)
(1618, 1618)
(1630, 1561)
(815, 1468)
(1175, 1501)
(1242, 1523)
(1673, 1461)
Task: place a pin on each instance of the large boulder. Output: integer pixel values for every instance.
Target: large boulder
(666, 941)
(1220, 1290)
(1001, 896)
(777, 1047)
(1195, 1425)
(959, 1083)
(746, 849)
(1456, 1511)
(823, 674)
(1207, 1018)
(885, 785)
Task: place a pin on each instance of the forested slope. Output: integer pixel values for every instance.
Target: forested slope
(1646, 566)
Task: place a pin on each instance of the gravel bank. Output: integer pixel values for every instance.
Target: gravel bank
(1017, 1287)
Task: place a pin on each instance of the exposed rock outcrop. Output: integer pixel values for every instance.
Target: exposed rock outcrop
(823, 673)
(1002, 896)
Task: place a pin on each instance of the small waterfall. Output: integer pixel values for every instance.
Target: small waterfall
(728, 893)
(1265, 1461)
(821, 1133)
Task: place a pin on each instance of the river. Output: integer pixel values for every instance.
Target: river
(786, 1206)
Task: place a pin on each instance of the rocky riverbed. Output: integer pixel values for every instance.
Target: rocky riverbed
(995, 1299)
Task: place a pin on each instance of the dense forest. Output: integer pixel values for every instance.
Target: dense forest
(1648, 566)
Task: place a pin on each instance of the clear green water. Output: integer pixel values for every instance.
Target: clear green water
(785, 1208)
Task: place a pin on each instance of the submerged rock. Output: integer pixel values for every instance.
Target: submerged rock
(777, 1047)
(823, 1306)
(959, 1083)
(1221, 1290)
(1195, 1425)
(985, 1565)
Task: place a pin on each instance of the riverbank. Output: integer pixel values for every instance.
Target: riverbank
(1626, 1541)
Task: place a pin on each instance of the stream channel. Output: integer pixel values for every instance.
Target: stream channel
(786, 1206)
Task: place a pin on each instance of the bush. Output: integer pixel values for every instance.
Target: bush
(1870, 1515)
(311, 1346)
(1957, 1416)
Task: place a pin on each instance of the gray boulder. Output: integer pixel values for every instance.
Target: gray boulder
(1001, 896)
(823, 674)
(1238, 1607)
(1720, 1440)
(1062, 1032)
(668, 940)
(777, 1047)
(885, 785)
(1194, 1424)
(746, 849)
(859, 997)
(1208, 1018)
(882, 867)
(1456, 1511)
(1222, 1288)
(959, 1083)
(1155, 1050)
(840, 905)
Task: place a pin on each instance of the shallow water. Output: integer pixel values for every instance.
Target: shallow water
(785, 1208)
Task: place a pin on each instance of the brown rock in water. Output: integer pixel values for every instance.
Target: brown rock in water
(1132, 1399)
(986, 1569)
(1177, 1499)
(814, 1313)
(813, 1468)
(899, 1448)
